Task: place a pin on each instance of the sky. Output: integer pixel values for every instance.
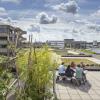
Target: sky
(54, 19)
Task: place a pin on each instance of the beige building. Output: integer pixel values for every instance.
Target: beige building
(10, 37)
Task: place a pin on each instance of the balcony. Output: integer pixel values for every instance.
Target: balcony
(3, 34)
(3, 50)
(3, 42)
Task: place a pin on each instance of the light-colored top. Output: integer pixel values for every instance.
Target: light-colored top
(61, 69)
(79, 72)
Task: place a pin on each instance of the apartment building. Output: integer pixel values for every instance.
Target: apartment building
(10, 37)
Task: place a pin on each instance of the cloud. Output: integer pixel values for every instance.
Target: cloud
(70, 7)
(8, 21)
(94, 27)
(96, 14)
(13, 1)
(45, 19)
(3, 11)
(34, 28)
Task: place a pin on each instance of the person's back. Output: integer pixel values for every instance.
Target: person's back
(69, 72)
(82, 65)
(79, 73)
(61, 69)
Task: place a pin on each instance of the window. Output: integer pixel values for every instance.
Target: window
(3, 38)
(3, 46)
(3, 30)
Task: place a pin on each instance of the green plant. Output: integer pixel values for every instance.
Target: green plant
(37, 75)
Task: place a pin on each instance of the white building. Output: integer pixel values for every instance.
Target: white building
(56, 44)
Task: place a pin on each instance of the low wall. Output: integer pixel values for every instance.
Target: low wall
(77, 56)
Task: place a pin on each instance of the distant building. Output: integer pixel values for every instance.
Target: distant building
(89, 45)
(94, 44)
(56, 44)
(10, 36)
(38, 44)
(79, 44)
(70, 43)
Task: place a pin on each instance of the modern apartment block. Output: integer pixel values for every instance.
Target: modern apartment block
(9, 37)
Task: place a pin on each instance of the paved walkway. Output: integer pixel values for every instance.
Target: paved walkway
(89, 91)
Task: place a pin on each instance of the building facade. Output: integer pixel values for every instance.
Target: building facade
(10, 37)
(56, 44)
(70, 43)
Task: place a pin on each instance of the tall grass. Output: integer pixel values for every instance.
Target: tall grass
(37, 75)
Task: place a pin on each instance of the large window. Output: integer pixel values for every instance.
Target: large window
(3, 38)
(3, 30)
(3, 46)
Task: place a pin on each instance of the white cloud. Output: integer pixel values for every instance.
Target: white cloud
(7, 21)
(3, 11)
(79, 29)
(70, 7)
(34, 28)
(13, 1)
(45, 19)
(96, 14)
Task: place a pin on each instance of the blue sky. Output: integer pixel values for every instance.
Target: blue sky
(54, 19)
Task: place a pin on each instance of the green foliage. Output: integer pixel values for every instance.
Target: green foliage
(5, 78)
(37, 76)
(3, 59)
(88, 51)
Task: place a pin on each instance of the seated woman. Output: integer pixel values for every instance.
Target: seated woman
(69, 72)
(73, 66)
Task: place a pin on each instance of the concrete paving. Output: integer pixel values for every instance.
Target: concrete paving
(89, 91)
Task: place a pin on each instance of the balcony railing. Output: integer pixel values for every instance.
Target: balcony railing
(3, 50)
(3, 42)
(3, 34)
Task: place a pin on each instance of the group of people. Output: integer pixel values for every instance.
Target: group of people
(73, 70)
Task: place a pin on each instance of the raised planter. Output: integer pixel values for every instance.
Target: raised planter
(76, 56)
(94, 68)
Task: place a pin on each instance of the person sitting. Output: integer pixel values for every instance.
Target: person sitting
(69, 72)
(82, 65)
(73, 66)
(84, 74)
(79, 75)
(61, 71)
